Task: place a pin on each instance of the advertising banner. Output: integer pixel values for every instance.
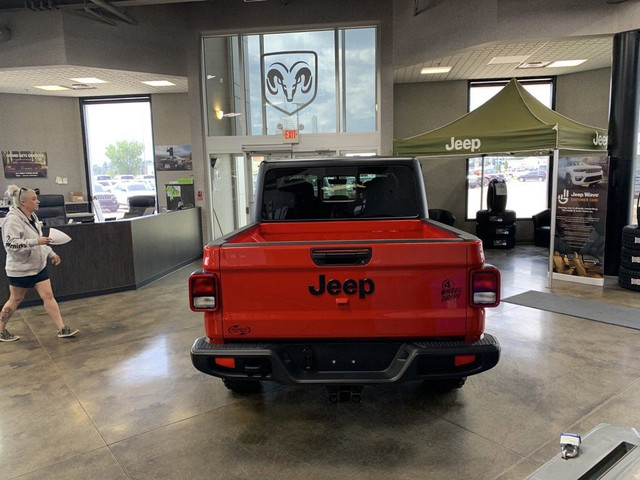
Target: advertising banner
(24, 164)
(173, 157)
(581, 203)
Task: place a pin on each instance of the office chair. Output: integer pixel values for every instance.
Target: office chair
(52, 211)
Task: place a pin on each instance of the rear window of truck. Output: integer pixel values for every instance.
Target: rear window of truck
(319, 193)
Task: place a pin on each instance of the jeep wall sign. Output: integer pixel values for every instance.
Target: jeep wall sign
(290, 80)
(24, 164)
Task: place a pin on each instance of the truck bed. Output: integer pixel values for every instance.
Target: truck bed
(367, 279)
(392, 230)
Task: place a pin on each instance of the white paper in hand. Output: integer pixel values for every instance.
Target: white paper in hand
(58, 237)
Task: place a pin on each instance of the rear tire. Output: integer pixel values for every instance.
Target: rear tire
(242, 387)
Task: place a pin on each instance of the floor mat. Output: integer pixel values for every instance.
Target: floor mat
(577, 307)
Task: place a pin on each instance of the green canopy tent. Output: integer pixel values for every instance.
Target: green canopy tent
(513, 122)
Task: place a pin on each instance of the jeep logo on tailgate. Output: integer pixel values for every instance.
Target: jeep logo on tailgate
(362, 287)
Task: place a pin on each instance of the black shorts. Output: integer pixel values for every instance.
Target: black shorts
(31, 280)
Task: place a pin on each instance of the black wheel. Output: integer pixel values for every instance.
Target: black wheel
(631, 237)
(243, 387)
(630, 259)
(444, 385)
(629, 279)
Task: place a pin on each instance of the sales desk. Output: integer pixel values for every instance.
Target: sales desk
(114, 256)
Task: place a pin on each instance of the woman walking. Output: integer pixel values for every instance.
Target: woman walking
(27, 255)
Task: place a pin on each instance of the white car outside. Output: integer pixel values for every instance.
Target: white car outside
(577, 172)
(131, 189)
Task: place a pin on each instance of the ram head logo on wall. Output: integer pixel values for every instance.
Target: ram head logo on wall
(290, 80)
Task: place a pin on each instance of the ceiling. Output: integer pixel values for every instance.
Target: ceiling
(474, 63)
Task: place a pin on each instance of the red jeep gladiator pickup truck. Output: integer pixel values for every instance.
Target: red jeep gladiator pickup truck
(341, 279)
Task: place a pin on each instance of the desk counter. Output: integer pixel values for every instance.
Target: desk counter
(114, 256)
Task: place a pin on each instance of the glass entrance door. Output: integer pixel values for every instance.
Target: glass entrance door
(234, 179)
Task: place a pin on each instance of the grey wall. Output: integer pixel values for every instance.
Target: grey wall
(51, 124)
(420, 107)
(171, 126)
(584, 97)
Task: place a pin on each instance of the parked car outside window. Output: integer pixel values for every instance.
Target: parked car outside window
(539, 176)
(107, 200)
(130, 189)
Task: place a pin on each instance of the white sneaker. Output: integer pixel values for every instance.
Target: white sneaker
(7, 336)
(67, 332)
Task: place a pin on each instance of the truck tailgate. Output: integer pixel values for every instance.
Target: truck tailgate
(396, 287)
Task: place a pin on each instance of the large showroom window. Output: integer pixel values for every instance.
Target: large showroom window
(315, 82)
(526, 177)
(119, 145)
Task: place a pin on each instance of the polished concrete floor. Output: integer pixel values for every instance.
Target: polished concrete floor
(122, 400)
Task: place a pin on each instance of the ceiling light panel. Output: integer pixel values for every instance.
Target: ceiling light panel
(88, 80)
(434, 70)
(566, 63)
(159, 83)
(52, 88)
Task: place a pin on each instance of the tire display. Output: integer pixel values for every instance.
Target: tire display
(497, 195)
(508, 217)
(629, 272)
(629, 279)
(496, 229)
(631, 237)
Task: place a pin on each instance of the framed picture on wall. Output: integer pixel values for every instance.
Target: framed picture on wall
(173, 157)
(24, 164)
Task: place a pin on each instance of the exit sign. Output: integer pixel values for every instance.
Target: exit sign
(290, 136)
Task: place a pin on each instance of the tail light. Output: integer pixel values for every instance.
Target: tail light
(485, 287)
(203, 292)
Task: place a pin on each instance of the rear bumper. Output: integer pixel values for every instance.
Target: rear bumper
(346, 362)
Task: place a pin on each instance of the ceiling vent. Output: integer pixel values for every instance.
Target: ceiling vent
(82, 86)
(527, 65)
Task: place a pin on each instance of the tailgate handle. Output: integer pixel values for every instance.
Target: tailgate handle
(325, 257)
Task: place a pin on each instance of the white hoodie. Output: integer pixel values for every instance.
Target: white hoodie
(24, 256)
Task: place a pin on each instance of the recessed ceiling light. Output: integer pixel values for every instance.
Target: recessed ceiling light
(159, 83)
(566, 63)
(432, 70)
(88, 80)
(508, 59)
(52, 88)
